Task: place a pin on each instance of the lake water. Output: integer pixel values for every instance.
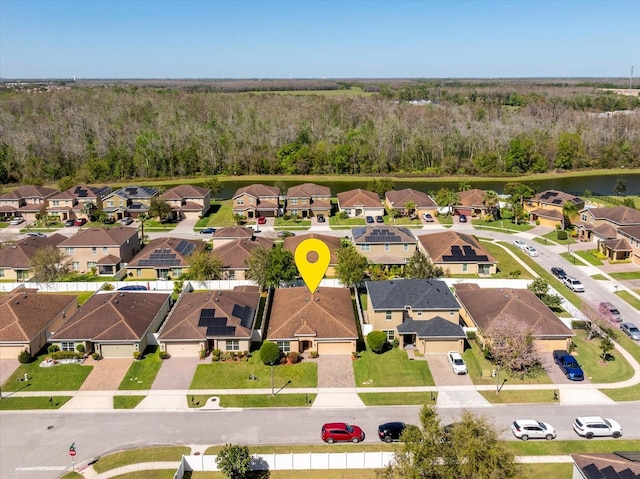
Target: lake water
(602, 185)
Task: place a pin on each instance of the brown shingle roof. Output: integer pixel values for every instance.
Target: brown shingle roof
(28, 191)
(328, 314)
(113, 316)
(166, 246)
(292, 242)
(233, 232)
(548, 213)
(451, 246)
(557, 198)
(229, 309)
(308, 190)
(399, 198)
(184, 191)
(620, 215)
(258, 191)
(19, 254)
(486, 304)
(25, 313)
(235, 254)
(630, 232)
(100, 237)
(471, 197)
(358, 197)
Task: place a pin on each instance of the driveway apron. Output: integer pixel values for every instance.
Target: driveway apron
(175, 373)
(7, 368)
(106, 375)
(336, 383)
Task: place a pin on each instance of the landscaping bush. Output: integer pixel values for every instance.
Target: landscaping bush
(396, 342)
(314, 354)
(24, 357)
(137, 355)
(57, 355)
(96, 356)
(53, 348)
(377, 341)
(163, 355)
(471, 335)
(561, 235)
(270, 353)
(203, 353)
(80, 348)
(293, 357)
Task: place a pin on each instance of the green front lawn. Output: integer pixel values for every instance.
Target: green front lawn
(506, 262)
(142, 372)
(628, 275)
(623, 394)
(255, 400)
(27, 403)
(136, 456)
(61, 377)
(504, 224)
(284, 223)
(235, 375)
(632, 300)
(126, 402)
(578, 446)
(553, 236)
(519, 397)
(588, 355)
(337, 221)
(389, 369)
(220, 214)
(585, 255)
(399, 399)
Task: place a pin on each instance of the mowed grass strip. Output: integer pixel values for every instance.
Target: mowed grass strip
(136, 456)
(519, 397)
(236, 375)
(255, 400)
(398, 399)
(142, 372)
(389, 369)
(623, 394)
(555, 447)
(126, 402)
(632, 300)
(598, 371)
(26, 403)
(61, 377)
(149, 474)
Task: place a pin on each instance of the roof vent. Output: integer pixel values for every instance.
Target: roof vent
(17, 302)
(219, 293)
(116, 301)
(217, 299)
(121, 295)
(318, 298)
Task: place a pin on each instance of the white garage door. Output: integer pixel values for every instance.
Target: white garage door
(183, 350)
(11, 352)
(442, 346)
(117, 350)
(335, 348)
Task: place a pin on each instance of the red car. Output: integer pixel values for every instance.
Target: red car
(341, 432)
(262, 220)
(79, 222)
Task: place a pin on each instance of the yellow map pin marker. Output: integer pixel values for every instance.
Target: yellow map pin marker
(312, 258)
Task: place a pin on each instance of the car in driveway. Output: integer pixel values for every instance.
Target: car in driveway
(127, 220)
(526, 429)
(69, 223)
(320, 217)
(79, 222)
(17, 220)
(369, 219)
(592, 426)
(285, 234)
(574, 284)
(630, 330)
(427, 218)
(457, 363)
(531, 251)
(462, 218)
(341, 432)
(207, 231)
(262, 220)
(558, 273)
(610, 312)
(391, 431)
(568, 365)
(379, 219)
(520, 244)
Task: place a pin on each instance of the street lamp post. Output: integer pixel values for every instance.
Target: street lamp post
(272, 387)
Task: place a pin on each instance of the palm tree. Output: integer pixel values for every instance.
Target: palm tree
(447, 197)
(569, 210)
(490, 200)
(464, 185)
(409, 208)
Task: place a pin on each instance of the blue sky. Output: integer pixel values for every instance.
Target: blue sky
(315, 39)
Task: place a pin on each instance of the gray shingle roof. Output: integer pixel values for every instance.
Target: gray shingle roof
(424, 294)
(437, 327)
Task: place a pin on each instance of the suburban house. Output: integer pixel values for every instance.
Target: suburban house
(359, 203)
(106, 249)
(187, 201)
(163, 258)
(457, 253)
(385, 245)
(256, 200)
(616, 465)
(26, 201)
(421, 313)
(235, 254)
(399, 200)
(480, 306)
(27, 318)
(470, 203)
(209, 320)
(322, 322)
(601, 224)
(129, 201)
(114, 324)
(77, 202)
(628, 245)
(308, 199)
(15, 258)
(231, 233)
(547, 207)
(333, 242)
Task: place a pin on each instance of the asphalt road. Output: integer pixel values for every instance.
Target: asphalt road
(35, 445)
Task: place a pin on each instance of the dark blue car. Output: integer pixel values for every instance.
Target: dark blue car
(568, 365)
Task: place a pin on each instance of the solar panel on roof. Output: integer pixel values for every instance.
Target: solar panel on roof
(627, 474)
(221, 331)
(244, 313)
(185, 248)
(557, 201)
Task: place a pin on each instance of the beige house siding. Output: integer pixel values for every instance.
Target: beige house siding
(182, 349)
(12, 351)
(440, 346)
(549, 345)
(374, 250)
(379, 321)
(548, 222)
(471, 268)
(221, 344)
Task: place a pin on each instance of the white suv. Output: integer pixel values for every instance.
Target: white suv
(457, 363)
(531, 429)
(573, 284)
(520, 244)
(590, 426)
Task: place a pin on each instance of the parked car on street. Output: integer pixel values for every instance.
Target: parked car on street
(427, 218)
(207, 231)
(526, 429)
(391, 431)
(591, 426)
(573, 284)
(610, 312)
(520, 244)
(531, 251)
(457, 363)
(630, 330)
(369, 219)
(36, 234)
(17, 220)
(568, 365)
(558, 273)
(341, 432)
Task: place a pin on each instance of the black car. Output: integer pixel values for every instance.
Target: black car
(207, 231)
(379, 219)
(558, 272)
(69, 222)
(462, 218)
(321, 218)
(391, 431)
(285, 234)
(369, 219)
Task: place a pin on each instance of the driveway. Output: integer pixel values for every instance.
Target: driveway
(442, 373)
(335, 371)
(175, 373)
(107, 374)
(7, 368)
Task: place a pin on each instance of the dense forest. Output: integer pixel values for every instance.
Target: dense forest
(114, 131)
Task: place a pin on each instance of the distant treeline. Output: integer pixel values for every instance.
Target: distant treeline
(121, 130)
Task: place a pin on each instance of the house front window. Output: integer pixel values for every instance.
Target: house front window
(387, 316)
(465, 267)
(109, 202)
(67, 346)
(484, 269)
(232, 345)
(75, 265)
(405, 247)
(365, 247)
(56, 203)
(138, 272)
(391, 334)
(105, 250)
(69, 251)
(94, 250)
(91, 264)
(1, 273)
(294, 201)
(387, 247)
(285, 346)
(232, 275)
(177, 272)
(240, 201)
